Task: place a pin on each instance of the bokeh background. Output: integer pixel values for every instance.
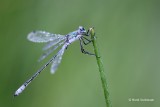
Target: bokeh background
(128, 35)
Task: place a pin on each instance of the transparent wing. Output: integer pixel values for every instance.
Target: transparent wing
(57, 60)
(54, 42)
(50, 51)
(42, 36)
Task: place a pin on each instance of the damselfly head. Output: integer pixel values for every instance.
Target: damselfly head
(82, 30)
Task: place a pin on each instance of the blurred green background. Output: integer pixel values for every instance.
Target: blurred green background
(128, 34)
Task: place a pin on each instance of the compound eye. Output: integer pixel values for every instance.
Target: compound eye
(82, 29)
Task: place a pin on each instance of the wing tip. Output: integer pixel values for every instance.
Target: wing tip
(30, 35)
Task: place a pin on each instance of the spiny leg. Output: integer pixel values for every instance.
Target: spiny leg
(88, 41)
(83, 50)
(88, 32)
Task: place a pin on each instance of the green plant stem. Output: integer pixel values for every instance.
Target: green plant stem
(101, 69)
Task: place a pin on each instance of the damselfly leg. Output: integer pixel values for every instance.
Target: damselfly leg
(82, 49)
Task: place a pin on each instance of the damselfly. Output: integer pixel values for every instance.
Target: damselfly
(53, 42)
